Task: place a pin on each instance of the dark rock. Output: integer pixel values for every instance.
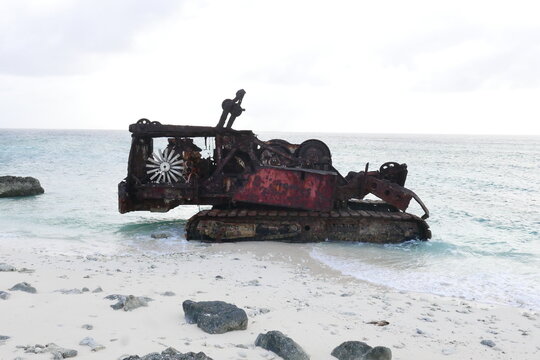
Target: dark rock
(358, 350)
(24, 286)
(68, 353)
(128, 302)
(191, 356)
(170, 354)
(379, 353)
(97, 290)
(11, 186)
(489, 343)
(3, 338)
(215, 317)
(4, 295)
(7, 267)
(282, 345)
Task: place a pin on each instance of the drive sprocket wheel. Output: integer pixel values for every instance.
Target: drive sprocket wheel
(314, 154)
(271, 158)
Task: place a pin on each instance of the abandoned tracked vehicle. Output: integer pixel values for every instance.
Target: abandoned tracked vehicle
(263, 190)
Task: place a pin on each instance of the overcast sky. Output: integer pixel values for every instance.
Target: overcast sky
(459, 67)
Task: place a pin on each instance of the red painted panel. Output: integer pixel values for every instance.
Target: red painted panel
(292, 188)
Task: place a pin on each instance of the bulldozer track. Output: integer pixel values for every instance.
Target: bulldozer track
(218, 225)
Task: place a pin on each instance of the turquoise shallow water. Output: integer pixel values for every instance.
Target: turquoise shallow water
(483, 194)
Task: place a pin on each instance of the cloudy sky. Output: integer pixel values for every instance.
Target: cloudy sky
(457, 67)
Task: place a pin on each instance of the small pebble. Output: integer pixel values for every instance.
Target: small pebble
(489, 343)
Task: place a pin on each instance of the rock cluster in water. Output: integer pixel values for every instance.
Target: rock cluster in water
(11, 186)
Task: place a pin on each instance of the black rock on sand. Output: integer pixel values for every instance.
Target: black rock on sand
(215, 317)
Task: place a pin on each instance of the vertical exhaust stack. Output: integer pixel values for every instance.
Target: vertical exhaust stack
(233, 108)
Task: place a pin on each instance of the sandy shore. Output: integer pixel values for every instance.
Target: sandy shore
(279, 286)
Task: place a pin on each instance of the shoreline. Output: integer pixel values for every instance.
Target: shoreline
(278, 284)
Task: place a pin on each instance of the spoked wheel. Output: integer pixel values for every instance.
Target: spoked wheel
(165, 167)
(314, 154)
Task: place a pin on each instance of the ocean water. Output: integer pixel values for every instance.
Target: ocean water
(483, 194)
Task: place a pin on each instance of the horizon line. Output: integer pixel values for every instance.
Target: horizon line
(302, 132)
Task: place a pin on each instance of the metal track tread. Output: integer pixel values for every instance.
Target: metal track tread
(304, 226)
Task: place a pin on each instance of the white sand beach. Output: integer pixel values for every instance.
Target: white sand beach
(277, 284)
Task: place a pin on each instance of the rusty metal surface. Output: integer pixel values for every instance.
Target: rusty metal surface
(293, 188)
(364, 226)
(244, 177)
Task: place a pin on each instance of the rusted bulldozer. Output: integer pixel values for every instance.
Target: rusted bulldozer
(263, 190)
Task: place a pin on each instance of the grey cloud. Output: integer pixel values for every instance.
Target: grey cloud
(403, 50)
(298, 68)
(57, 43)
(514, 67)
(512, 62)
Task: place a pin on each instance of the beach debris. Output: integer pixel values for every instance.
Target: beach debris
(168, 293)
(379, 323)
(170, 354)
(529, 315)
(358, 350)
(69, 291)
(128, 302)
(87, 326)
(57, 352)
(489, 343)
(254, 311)
(4, 295)
(282, 345)
(89, 341)
(253, 282)
(7, 267)
(13, 186)
(24, 286)
(448, 351)
(215, 317)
